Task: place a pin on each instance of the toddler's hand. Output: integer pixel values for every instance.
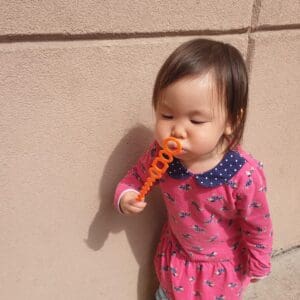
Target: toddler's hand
(129, 205)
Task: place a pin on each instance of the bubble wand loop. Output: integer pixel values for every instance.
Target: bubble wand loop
(160, 165)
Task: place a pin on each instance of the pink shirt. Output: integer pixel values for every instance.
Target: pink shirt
(219, 216)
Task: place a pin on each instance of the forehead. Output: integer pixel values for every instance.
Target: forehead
(197, 93)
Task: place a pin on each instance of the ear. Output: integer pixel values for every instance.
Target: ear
(228, 126)
(228, 129)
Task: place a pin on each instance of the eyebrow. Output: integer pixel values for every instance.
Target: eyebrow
(191, 113)
(164, 105)
(198, 112)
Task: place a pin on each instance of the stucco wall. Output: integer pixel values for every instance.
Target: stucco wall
(75, 88)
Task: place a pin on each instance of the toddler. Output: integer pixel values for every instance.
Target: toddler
(218, 234)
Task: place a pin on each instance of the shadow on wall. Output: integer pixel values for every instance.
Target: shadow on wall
(142, 230)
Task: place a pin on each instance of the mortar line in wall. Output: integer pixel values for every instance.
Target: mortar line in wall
(256, 8)
(267, 27)
(250, 54)
(20, 38)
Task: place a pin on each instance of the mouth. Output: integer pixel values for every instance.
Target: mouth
(183, 151)
(175, 146)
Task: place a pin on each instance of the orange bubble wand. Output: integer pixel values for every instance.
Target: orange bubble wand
(160, 165)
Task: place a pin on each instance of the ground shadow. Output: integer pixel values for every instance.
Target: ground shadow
(143, 230)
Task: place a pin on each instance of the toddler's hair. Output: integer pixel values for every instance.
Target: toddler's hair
(200, 56)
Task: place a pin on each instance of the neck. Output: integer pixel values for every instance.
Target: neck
(207, 161)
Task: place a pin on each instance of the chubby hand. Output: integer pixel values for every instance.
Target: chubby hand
(129, 205)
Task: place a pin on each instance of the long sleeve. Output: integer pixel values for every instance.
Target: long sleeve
(137, 175)
(255, 221)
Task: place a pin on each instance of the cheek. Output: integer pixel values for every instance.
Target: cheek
(160, 132)
(157, 131)
(201, 138)
(200, 133)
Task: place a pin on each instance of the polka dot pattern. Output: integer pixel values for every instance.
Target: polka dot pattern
(220, 174)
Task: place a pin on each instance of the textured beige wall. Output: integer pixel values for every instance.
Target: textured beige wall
(115, 16)
(75, 89)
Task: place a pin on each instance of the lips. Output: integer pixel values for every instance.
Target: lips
(183, 150)
(173, 146)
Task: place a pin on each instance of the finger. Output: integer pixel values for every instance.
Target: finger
(135, 209)
(140, 204)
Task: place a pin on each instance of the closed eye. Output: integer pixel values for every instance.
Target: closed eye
(197, 122)
(168, 117)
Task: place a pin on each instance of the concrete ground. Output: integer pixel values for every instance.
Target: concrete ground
(284, 281)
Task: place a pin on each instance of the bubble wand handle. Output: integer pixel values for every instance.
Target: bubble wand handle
(160, 165)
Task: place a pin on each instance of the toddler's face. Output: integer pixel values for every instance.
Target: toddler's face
(190, 111)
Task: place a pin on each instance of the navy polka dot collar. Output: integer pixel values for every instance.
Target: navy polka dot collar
(220, 174)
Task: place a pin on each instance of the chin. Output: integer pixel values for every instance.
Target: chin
(183, 154)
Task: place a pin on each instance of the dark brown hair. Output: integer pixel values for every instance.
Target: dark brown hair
(199, 56)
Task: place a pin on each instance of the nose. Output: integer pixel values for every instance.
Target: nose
(178, 131)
